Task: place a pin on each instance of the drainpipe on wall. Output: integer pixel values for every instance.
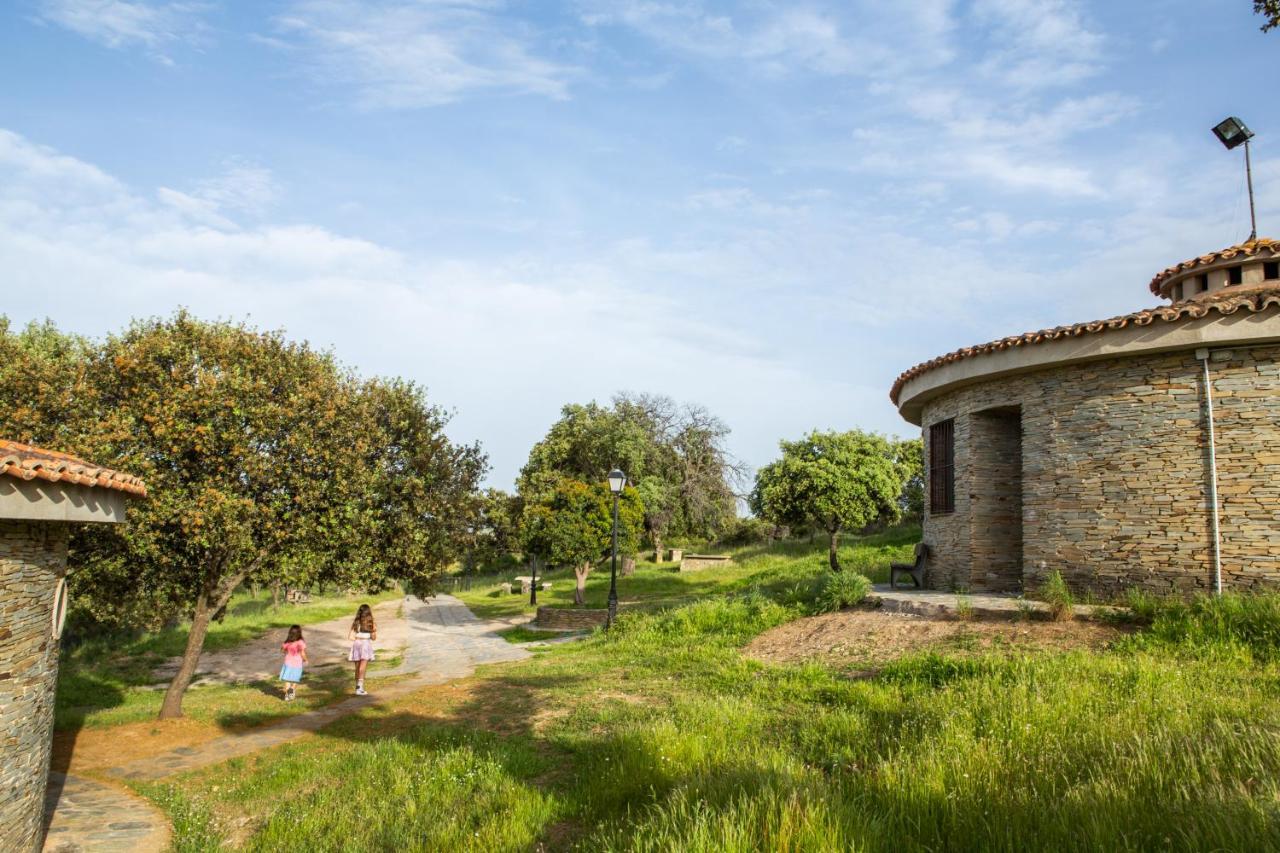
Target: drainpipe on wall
(1203, 355)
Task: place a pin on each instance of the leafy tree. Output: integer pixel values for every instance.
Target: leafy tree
(908, 455)
(45, 396)
(675, 455)
(837, 480)
(494, 532)
(572, 525)
(264, 461)
(1270, 10)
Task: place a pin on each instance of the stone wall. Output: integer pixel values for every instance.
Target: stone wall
(33, 556)
(566, 619)
(697, 562)
(1115, 474)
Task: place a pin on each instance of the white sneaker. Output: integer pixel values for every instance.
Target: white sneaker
(360, 691)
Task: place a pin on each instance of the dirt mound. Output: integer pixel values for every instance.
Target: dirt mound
(868, 638)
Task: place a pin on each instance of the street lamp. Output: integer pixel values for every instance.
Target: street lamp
(533, 583)
(1231, 132)
(617, 481)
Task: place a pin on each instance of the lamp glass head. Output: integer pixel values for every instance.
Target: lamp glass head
(617, 480)
(1232, 132)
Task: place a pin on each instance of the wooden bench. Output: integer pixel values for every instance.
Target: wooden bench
(914, 570)
(297, 596)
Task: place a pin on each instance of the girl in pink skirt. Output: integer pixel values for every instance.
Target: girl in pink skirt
(362, 634)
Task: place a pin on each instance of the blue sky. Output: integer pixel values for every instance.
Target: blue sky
(768, 208)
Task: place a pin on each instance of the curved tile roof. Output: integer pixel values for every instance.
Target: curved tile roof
(27, 463)
(1247, 249)
(1260, 299)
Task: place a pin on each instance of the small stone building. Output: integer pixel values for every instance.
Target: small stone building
(1086, 449)
(41, 494)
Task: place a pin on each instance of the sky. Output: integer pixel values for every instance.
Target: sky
(767, 208)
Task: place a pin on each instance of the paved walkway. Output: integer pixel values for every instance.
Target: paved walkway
(91, 816)
(445, 642)
(932, 602)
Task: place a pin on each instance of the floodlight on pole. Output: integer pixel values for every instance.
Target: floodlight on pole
(1232, 132)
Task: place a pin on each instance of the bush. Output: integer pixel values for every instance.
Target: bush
(842, 589)
(746, 531)
(1058, 596)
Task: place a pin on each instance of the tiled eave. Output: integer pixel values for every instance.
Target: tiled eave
(1262, 245)
(29, 463)
(1255, 302)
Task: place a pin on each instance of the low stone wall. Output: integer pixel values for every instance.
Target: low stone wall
(696, 562)
(33, 556)
(570, 619)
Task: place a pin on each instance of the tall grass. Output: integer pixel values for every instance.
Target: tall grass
(1119, 751)
(1233, 621)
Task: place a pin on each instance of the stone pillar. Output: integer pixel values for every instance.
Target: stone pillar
(33, 559)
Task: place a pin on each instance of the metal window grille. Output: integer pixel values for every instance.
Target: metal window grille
(942, 467)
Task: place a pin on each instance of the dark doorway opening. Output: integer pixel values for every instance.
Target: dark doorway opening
(996, 521)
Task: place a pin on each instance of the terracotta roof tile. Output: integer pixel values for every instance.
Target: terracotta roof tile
(27, 463)
(1247, 249)
(1260, 299)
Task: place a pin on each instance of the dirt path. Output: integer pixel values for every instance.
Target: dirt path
(868, 638)
(326, 644)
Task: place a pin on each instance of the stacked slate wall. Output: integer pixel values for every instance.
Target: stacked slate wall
(1114, 485)
(33, 557)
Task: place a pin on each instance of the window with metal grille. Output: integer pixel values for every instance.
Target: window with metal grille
(942, 467)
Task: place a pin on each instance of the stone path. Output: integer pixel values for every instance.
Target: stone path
(932, 602)
(91, 816)
(445, 642)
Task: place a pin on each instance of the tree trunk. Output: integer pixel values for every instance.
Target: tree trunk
(657, 547)
(580, 591)
(207, 604)
(628, 566)
(834, 543)
(172, 706)
(275, 595)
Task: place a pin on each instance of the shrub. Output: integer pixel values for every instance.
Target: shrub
(746, 531)
(842, 589)
(1058, 596)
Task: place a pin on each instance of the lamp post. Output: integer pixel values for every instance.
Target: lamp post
(617, 481)
(1232, 132)
(533, 584)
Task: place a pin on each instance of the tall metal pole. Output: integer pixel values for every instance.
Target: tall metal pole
(613, 570)
(533, 585)
(1203, 355)
(1248, 172)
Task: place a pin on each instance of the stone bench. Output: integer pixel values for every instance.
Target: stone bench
(697, 562)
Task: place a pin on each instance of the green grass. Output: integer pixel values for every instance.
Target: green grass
(789, 571)
(661, 736)
(107, 681)
(521, 634)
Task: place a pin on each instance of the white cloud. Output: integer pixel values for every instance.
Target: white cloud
(504, 341)
(777, 39)
(1040, 43)
(128, 23)
(404, 55)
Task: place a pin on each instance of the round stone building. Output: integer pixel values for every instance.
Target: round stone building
(1097, 449)
(41, 494)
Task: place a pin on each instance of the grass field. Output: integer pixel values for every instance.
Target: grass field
(662, 736)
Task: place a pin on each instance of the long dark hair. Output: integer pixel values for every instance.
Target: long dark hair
(295, 634)
(364, 620)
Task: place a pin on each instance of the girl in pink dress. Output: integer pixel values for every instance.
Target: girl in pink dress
(295, 657)
(362, 634)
